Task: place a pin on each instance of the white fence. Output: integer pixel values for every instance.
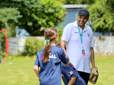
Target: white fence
(16, 45)
(103, 45)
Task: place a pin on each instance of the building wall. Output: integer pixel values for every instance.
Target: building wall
(71, 13)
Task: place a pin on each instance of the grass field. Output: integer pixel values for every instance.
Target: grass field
(19, 71)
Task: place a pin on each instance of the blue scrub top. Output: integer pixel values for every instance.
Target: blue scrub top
(50, 72)
(68, 72)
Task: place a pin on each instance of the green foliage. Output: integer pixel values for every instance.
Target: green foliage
(102, 15)
(2, 44)
(8, 19)
(0, 59)
(34, 13)
(1, 56)
(59, 31)
(8, 14)
(41, 13)
(33, 45)
(2, 48)
(79, 1)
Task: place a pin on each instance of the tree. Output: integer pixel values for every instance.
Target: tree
(36, 13)
(8, 16)
(102, 15)
(41, 13)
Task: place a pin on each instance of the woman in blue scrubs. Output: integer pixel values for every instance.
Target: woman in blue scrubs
(48, 62)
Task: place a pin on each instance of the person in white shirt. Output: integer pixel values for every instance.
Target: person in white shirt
(77, 41)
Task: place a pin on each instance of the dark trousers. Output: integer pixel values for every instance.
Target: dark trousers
(85, 76)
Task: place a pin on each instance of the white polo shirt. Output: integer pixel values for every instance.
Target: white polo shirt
(71, 34)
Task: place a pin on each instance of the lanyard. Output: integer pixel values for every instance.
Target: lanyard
(81, 39)
(81, 35)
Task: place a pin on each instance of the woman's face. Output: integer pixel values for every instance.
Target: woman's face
(82, 20)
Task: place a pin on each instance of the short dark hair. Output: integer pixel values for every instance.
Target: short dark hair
(83, 12)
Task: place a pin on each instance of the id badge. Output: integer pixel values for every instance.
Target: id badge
(83, 52)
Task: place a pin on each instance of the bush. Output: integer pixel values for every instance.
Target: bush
(2, 45)
(32, 45)
(2, 54)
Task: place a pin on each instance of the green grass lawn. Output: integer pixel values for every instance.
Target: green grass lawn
(19, 71)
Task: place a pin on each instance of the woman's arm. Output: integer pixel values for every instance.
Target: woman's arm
(72, 81)
(63, 45)
(36, 69)
(36, 65)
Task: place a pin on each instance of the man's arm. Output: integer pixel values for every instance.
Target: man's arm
(94, 70)
(92, 58)
(66, 36)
